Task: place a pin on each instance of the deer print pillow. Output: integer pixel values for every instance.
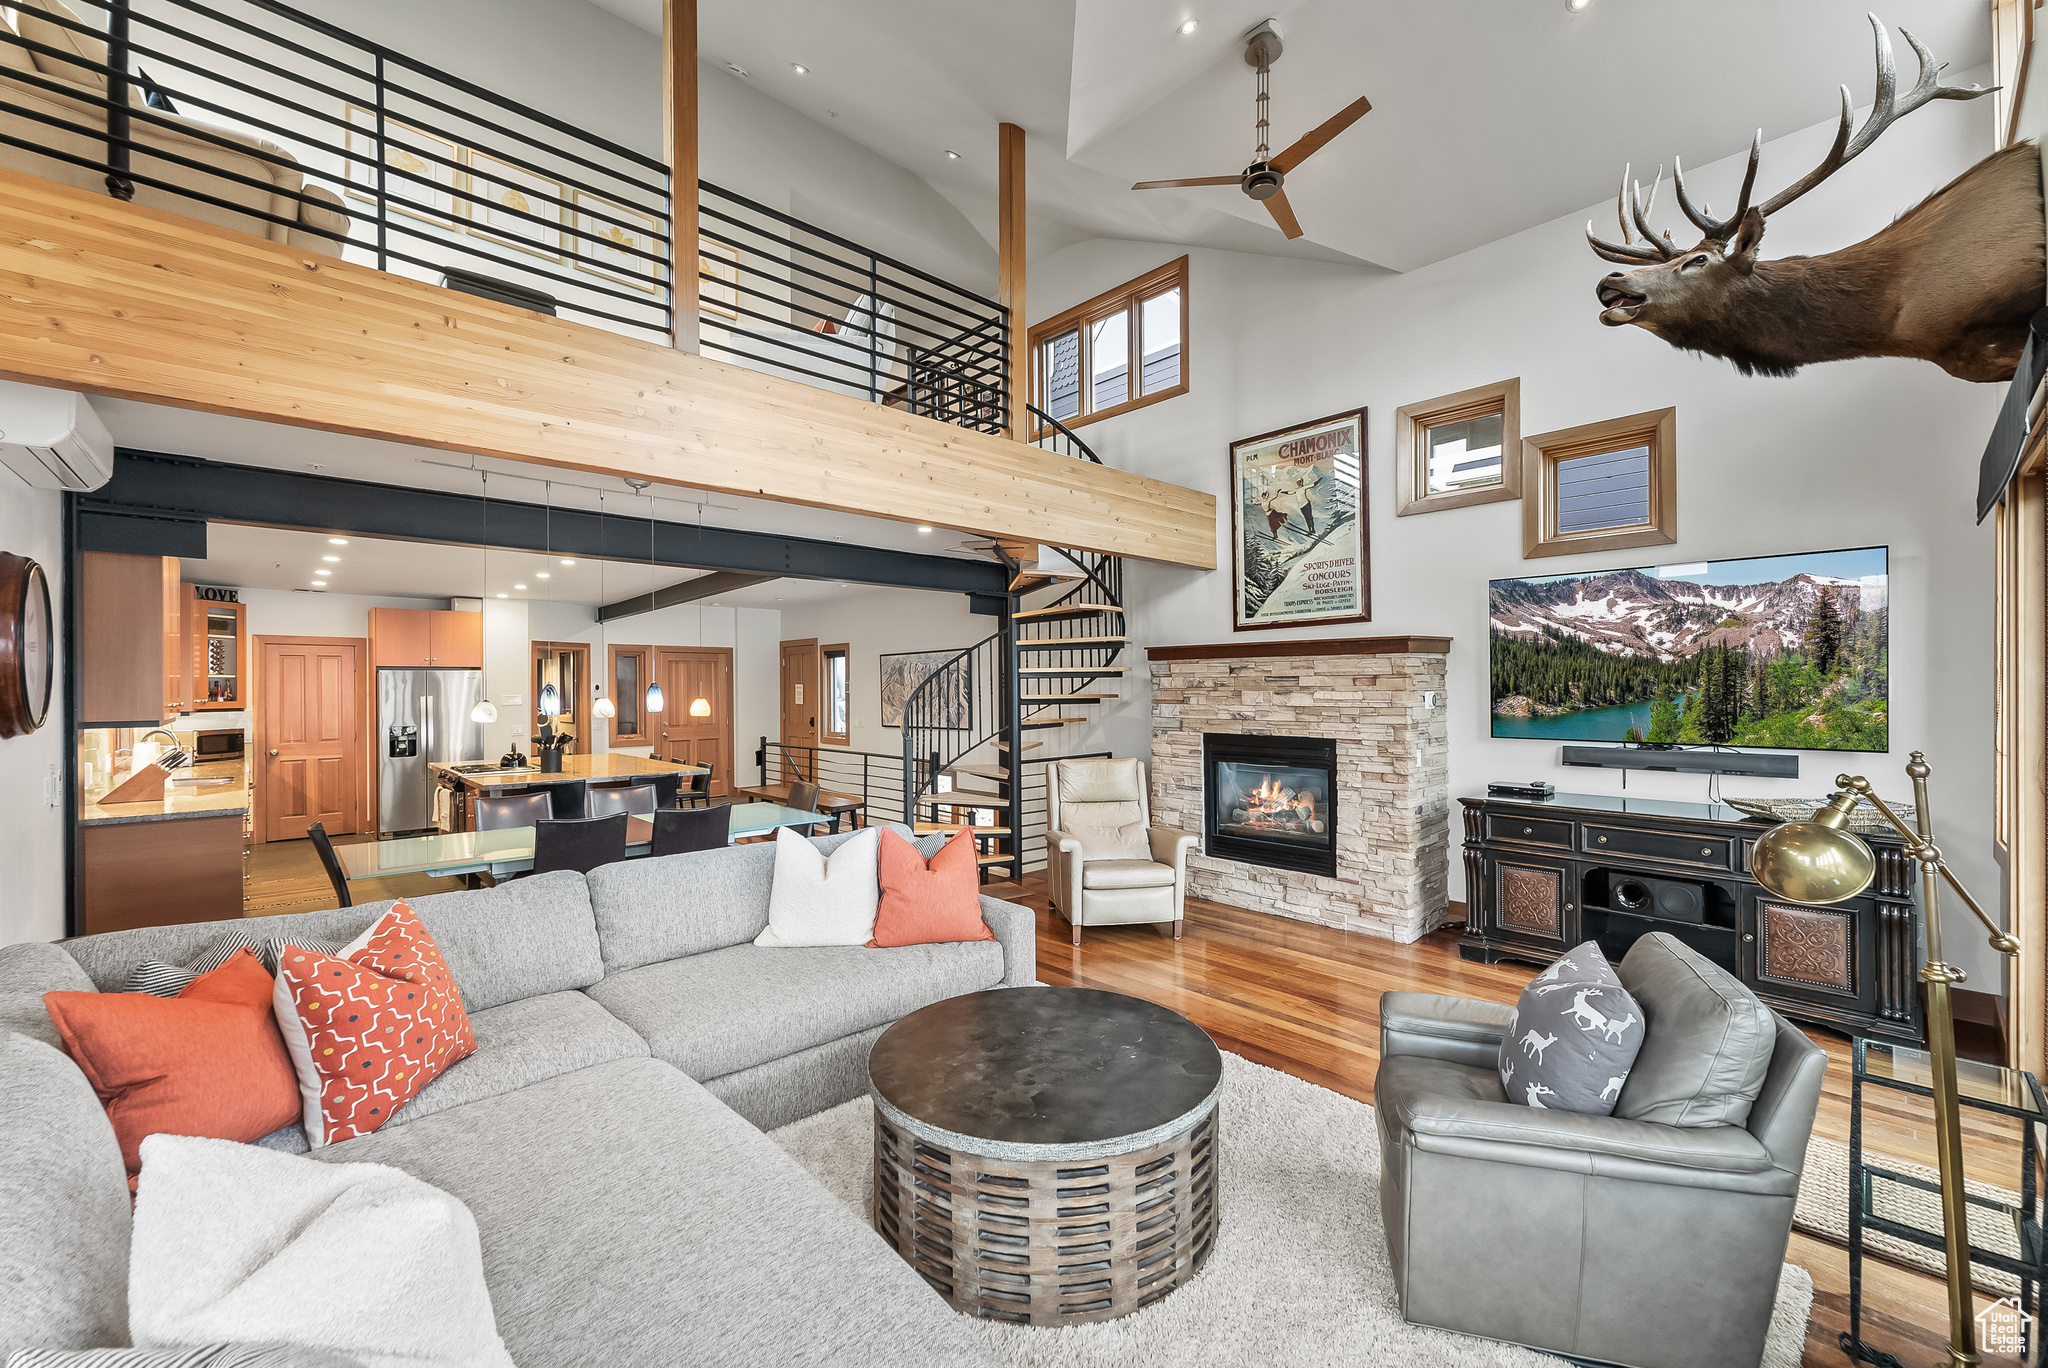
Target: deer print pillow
(1573, 1038)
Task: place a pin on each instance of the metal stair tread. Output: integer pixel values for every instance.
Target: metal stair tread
(1073, 669)
(1060, 612)
(978, 771)
(1039, 723)
(1058, 643)
(1063, 698)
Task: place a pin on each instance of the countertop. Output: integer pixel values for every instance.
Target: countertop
(574, 767)
(179, 800)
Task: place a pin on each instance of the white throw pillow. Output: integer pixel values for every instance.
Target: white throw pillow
(816, 901)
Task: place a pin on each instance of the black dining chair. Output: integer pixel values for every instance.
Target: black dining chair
(678, 831)
(698, 794)
(629, 798)
(500, 812)
(578, 843)
(331, 862)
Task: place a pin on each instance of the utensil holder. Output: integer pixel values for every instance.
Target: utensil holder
(551, 761)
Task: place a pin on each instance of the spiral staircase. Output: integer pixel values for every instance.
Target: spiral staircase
(970, 727)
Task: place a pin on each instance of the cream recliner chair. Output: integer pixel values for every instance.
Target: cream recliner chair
(1108, 865)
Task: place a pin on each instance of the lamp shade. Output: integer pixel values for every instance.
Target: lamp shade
(1815, 861)
(655, 702)
(700, 707)
(604, 708)
(484, 711)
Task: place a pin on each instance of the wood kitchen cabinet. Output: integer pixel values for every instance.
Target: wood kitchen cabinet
(426, 639)
(217, 647)
(133, 666)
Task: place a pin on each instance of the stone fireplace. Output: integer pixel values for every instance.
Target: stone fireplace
(1255, 744)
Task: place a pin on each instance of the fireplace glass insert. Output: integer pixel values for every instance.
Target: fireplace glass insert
(1271, 800)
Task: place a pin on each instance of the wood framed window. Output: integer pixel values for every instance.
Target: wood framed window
(1083, 363)
(1461, 449)
(1601, 487)
(835, 680)
(626, 680)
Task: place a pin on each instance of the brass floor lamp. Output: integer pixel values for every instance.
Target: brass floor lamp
(1821, 861)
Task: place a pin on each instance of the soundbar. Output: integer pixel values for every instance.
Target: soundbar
(1775, 765)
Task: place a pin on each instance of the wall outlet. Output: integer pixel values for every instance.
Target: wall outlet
(53, 789)
(513, 699)
(518, 733)
(1429, 700)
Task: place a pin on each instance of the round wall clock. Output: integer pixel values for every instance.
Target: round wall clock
(27, 645)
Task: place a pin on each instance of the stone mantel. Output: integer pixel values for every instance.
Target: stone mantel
(1333, 646)
(1381, 700)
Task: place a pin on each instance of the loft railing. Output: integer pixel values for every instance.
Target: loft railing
(781, 295)
(1051, 434)
(252, 115)
(255, 116)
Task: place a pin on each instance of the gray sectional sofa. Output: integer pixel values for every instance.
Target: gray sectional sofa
(632, 1045)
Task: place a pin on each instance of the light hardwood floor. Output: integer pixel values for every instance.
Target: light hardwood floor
(1305, 999)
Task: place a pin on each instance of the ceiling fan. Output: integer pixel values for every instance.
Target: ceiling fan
(1265, 179)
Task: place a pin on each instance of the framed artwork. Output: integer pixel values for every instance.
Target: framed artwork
(435, 201)
(902, 673)
(502, 193)
(718, 291)
(619, 233)
(1298, 513)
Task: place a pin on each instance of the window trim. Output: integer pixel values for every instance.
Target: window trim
(1411, 447)
(1127, 298)
(826, 736)
(1657, 429)
(643, 734)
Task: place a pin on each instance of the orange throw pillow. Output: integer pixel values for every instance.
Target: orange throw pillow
(929, 903)
(208, 1062)
(370, 1028)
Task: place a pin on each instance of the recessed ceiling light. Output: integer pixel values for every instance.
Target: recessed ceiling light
(319, 584)
(331, 558)
(924, 529)
(799, 68)
(337, 541)
(1187, 28)
(568, 562)
(736, 69)
(1577, 6)
(950, 153)
(541, 574)
(501, 596)
(518, 586)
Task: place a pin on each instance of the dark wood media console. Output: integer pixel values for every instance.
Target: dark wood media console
(1543, 875)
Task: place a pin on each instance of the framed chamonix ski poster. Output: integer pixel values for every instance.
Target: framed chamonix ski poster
(1298, 512)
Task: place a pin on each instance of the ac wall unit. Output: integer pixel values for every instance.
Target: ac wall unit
(53, 439)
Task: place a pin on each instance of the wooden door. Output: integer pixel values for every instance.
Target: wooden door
(800, 712)
(455, 641)
(687, 673)
(400, 637)
(309, 758)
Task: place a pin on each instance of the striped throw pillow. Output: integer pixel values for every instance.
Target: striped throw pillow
(168, 980)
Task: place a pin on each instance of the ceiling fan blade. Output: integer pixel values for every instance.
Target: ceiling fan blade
(1283, 214)
(1316, 137)
(1198, 180)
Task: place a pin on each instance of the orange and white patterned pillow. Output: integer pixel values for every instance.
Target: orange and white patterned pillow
(369, 1028)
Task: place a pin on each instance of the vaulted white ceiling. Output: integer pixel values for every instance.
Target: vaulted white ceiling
(1489, 116)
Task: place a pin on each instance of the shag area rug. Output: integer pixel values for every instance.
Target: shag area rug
(1823, 1212)
(1299, 1275)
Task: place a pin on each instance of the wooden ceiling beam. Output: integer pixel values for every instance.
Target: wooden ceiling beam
(111, 298)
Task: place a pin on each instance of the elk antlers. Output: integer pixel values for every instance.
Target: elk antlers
(1886, 109)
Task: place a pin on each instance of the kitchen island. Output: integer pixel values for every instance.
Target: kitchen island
(170, 860)
(566, 787)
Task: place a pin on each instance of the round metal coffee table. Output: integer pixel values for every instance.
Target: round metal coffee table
(1047, 1155)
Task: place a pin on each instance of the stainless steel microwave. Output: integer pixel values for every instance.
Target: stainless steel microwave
(216, 745)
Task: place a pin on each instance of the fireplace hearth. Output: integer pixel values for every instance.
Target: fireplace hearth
(1271, 800)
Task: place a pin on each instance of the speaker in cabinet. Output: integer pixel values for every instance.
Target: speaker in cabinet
(1666, 898)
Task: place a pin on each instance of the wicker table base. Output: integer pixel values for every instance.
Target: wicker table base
(1049, 1243)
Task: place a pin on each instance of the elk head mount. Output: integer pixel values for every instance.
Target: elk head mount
(1953, 281)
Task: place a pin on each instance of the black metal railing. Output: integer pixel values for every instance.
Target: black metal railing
(781, 295)
(253, 115)
(874, 777)
(1050, 434)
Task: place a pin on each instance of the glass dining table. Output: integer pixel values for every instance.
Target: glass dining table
(509, 851)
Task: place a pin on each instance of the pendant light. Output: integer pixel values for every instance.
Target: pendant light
(604, 707)
(655, 702)
(700, 707)
(550, 698)
(485, 710)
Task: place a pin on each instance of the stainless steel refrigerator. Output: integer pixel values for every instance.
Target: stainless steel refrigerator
(422, 718)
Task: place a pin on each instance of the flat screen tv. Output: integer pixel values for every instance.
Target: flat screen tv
(1779, 652)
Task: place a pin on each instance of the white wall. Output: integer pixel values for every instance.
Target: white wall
(873, 623)
(33, 841)
(1848, 454)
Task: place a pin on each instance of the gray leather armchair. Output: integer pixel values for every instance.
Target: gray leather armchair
(1107, 864)
(1621, 1241)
